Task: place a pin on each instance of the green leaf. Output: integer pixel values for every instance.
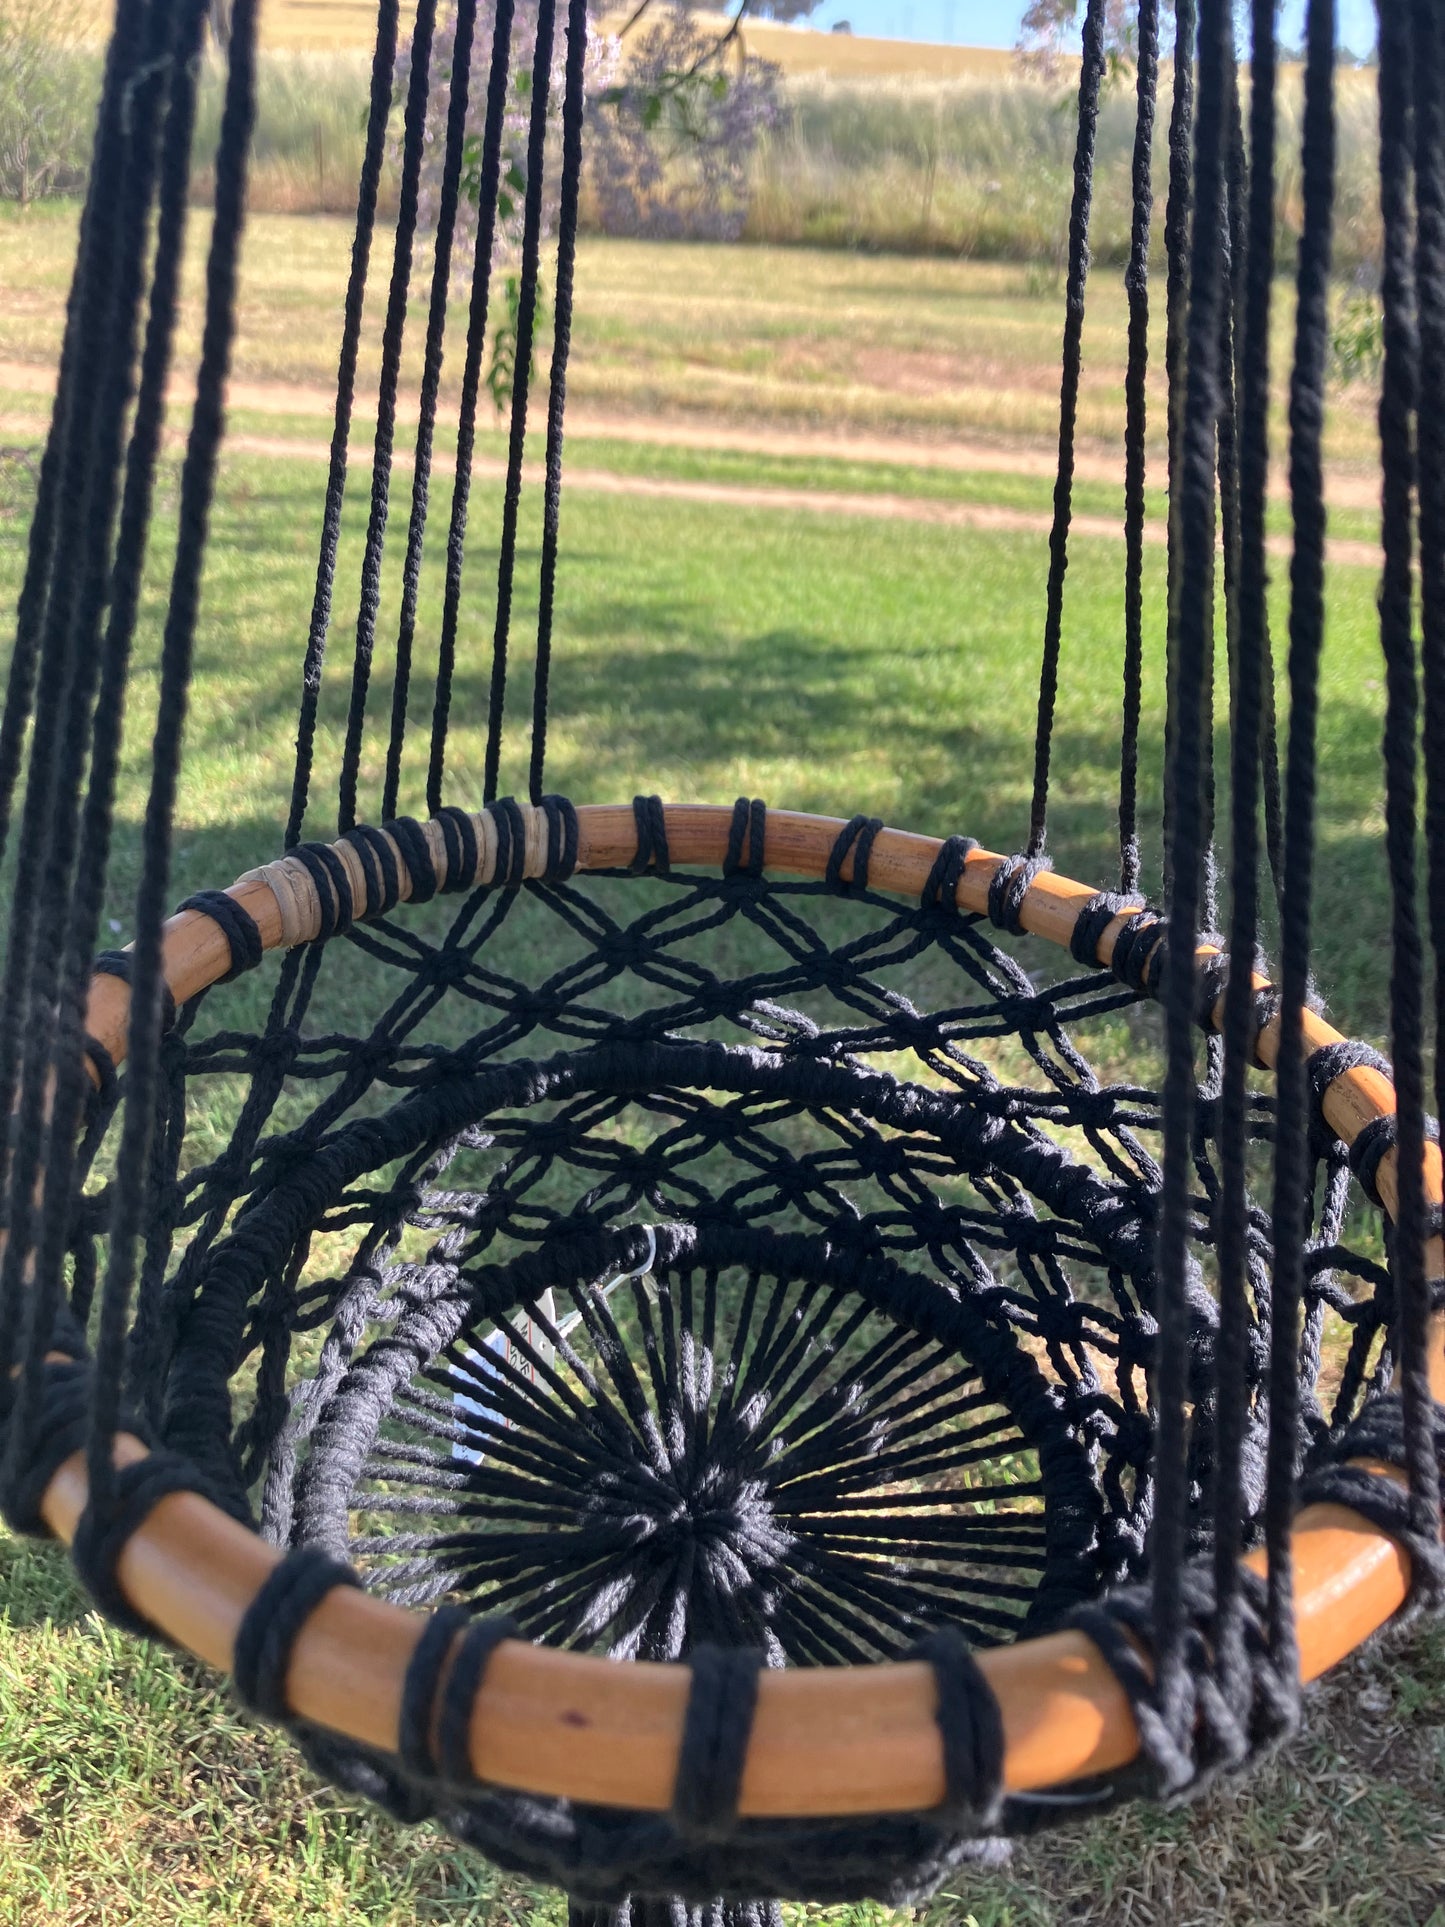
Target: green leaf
(516, 179)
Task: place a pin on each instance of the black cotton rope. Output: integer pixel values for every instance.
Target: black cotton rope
(1192, 632)
(54, 1071)
(488, 187)
(1399, 397)
(458, 1696)
(459, 91)
(413, 143)
(273, 1622)
(1428, 61)
(716, 1728)
(1291, 1172)
(527, 294)
(378, 113)
(88, 418)
(1246, 724)
(1091, 78)
(197, 484)
(1136, 281)
(95, 234)
(573, 99)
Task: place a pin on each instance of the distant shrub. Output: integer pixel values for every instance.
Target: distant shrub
(673, 121)
(684, 139)
(49, 81)
(515, 123)
(674, 140)
(982, 167)
(1357, 339)
(309, 134)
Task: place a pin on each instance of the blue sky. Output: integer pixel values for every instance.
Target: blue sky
(995, 23)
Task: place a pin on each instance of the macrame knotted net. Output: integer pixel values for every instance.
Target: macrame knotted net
(748, 1262)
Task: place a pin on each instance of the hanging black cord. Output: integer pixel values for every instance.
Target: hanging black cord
(383, 65)
(573, 106)
(1091, 77)
(1247, 209)
(1136, 402)
(457, 101)
(521, 385)
(1232, 217)
(40, 546)
(175, 78)
(489, 184)
(413, 142)
(1232, 1388)
(1307, 575)
(135, 513)
(1176, 292)
(1429, 128)
(50, 816)
(1195, 607)
(198, 475)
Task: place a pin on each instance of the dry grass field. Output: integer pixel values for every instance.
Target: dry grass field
(323, 24)
(329, 26)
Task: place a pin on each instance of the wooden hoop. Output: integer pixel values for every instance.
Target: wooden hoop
(826, 1741)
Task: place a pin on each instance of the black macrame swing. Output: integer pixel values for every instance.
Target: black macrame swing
(768, 1294)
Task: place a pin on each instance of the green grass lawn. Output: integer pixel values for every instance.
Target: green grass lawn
(704, 650)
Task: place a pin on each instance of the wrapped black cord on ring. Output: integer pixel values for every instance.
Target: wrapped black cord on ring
(1009, 888)
(652, 852)
(238, 926)
(463, 1683)
(940, 892)
(1227, 1729)
(562, 838)
(511, 827)
(1138, 948)
(408, 836)
(378, 866)
(60, 1427)
(1371, 1146)
(419, 1691)
(971, 1726)
(856, 836)
(107, 1082)
(272, 1624)
(459, 834)
(715, 1734)
(1211, 977)
(101, 1537)
(1379, 1433)
(1094, 919)
(116, 963)
(333, 886)
(1321, 1068)
(748, 830)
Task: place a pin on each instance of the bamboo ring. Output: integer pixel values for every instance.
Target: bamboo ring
(826, 1741)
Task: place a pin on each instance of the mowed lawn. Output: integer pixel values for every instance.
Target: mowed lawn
(706, 648)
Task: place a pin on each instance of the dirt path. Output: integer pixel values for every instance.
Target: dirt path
(283, 398)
